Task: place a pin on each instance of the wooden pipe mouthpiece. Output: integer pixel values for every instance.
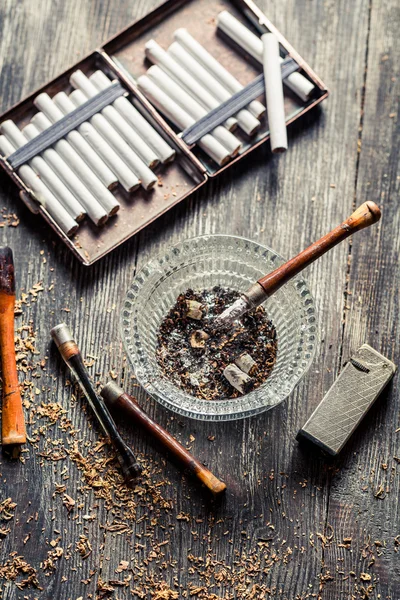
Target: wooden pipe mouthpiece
(116, 399)
(12, 420)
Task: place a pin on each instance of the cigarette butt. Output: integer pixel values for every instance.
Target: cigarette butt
(194, 309)
(246, 363)
(189, 81)
(238, 379)
(274, 93)
(198, 339)
(181, 119)
(42, 193)
(91, 200)
(231, 84)
(54, 113)
(87, 90)
(252, 44)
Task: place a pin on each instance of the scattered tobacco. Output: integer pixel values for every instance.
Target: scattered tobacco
(193, 356)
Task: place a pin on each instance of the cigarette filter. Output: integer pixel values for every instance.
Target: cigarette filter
(252, 44)
(53, 112)
(349, 399)
(147, 178)
(215, 68)
(42, 193)
(274, 93)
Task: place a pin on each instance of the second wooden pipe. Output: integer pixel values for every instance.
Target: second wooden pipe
(12, 415)
(365, 215)
(117, 399)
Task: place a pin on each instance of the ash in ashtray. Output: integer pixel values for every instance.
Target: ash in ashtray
(215, 364)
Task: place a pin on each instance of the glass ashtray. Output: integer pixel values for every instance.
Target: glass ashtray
(202, 263)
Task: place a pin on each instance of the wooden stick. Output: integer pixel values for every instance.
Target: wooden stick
(367, 214)
(117, 399)
(12, 418)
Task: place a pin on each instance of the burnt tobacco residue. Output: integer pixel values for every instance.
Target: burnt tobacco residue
(193, 356)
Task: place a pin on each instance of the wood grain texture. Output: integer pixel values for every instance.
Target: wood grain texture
(277, 490)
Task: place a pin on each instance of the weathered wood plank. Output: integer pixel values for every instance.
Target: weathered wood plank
(363, 500)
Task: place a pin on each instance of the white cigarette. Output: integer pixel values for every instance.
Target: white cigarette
(44, 103)
(164, 152)
(95, 211)
(237, 378)
(252, 44)
(215, 68)
(62, 170)
(132, 159)
(121, 126)
(181, 119)
(42, 193)
(274, 93)
(193, 108)
(103, 204)
(246, 120)
(50, 178)
(196, 89)
(125, 176)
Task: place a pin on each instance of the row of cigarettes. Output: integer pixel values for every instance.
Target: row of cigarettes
(186, 82)
(74, 177)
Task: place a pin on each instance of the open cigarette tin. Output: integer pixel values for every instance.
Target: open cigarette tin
(123, 56)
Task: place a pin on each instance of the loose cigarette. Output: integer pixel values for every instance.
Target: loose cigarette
(136, 120)
(45, 104)
(125, 176)
(238, 379)
(50, 178)
(194, 309)
(181, 119)
(42, 193)
(215, 68)
(274, 93)
(135, 163)
(251, 44)
(246, 120)
(246, 363)
(135, 141)
(196, 89)
(103, 203)
(95, 211)
(195, 110)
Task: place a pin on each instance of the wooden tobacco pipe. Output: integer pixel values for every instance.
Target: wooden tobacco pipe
(12, 418)
(365, 215)
(116, 399)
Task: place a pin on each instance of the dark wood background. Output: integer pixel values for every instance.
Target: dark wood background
(307, 508)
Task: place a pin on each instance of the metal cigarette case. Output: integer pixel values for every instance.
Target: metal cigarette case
(348, 400)
(122, 58)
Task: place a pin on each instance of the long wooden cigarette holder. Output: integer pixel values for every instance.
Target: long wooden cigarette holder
(123, 58)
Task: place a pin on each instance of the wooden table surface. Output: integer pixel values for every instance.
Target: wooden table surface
(293, 525)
